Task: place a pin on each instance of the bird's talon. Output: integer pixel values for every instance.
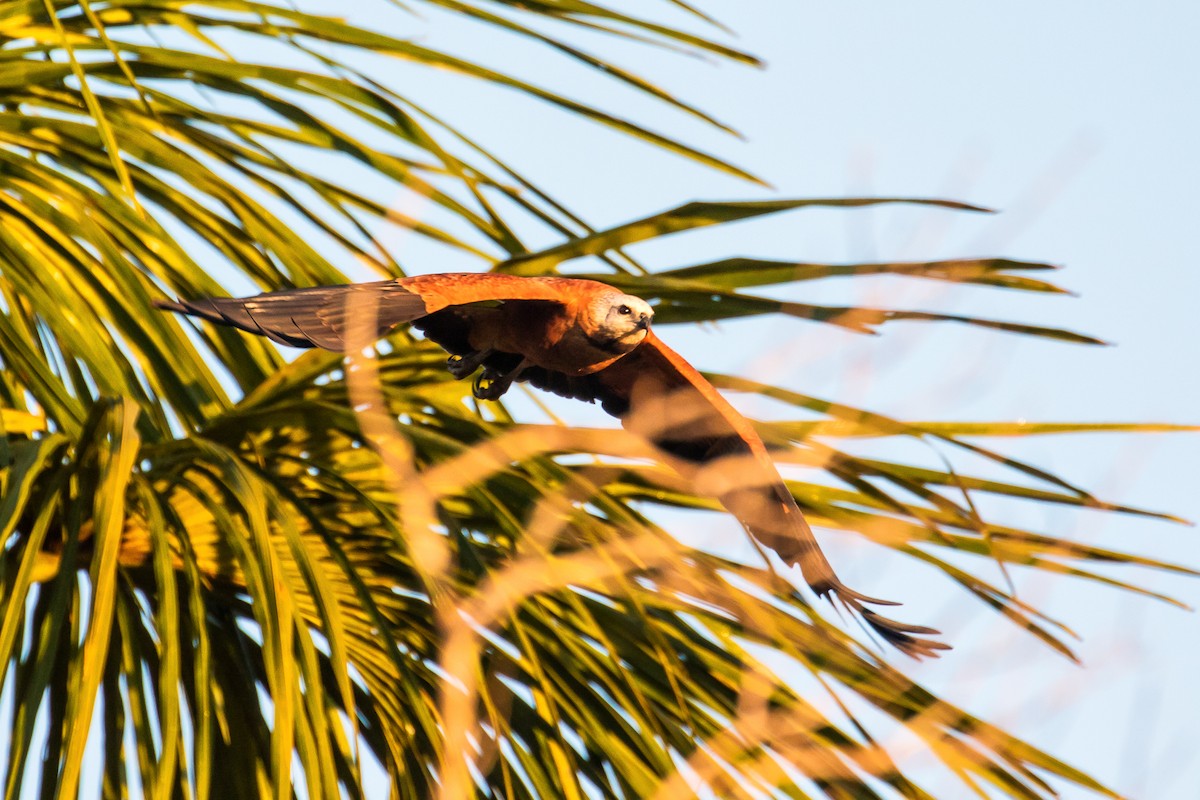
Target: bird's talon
(460, 367)
(483, 387)
(490, 386)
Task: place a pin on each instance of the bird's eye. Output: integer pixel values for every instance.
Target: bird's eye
(624, 311)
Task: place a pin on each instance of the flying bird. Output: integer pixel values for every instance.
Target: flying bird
(585, 340)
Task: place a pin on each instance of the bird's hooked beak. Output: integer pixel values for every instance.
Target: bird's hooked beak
(644, 322)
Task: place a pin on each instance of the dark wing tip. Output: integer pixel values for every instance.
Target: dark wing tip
(905, 637)
(908, 639)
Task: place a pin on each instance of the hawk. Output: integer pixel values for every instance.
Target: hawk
(585, 340)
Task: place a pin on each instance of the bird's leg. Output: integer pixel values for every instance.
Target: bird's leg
(491, 384)
(462, 366)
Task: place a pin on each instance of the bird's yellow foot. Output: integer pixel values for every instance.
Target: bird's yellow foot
(491, 385)
(461, 367)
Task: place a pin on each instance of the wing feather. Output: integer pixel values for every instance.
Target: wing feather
(318, 316)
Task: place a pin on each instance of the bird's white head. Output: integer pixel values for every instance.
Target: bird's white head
(618, 322)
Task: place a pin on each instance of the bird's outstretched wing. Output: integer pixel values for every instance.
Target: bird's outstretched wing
(318, 316)
(656, 393)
